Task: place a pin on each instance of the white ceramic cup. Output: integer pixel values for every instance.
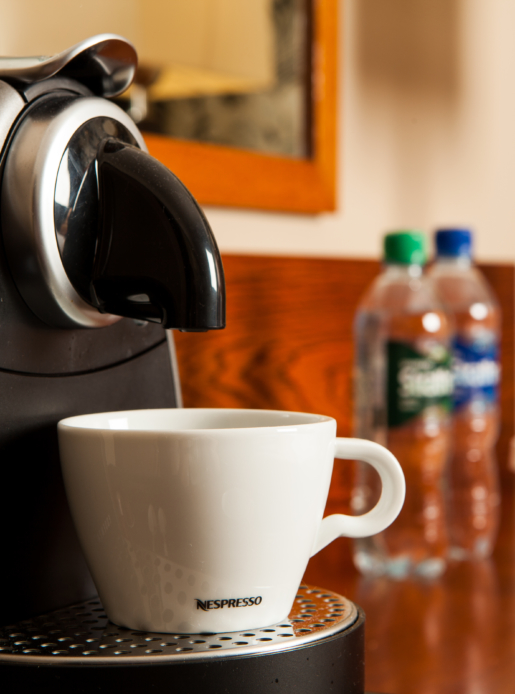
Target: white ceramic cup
(203, 520)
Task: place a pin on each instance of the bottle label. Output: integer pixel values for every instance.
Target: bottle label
(417, 381)
(476, 370)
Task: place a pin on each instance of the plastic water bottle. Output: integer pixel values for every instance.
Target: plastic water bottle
(473, 485)
(403, 392)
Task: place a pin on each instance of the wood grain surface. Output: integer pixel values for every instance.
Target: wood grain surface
(288, 345)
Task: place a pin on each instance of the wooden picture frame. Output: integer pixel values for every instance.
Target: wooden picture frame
(232, 177)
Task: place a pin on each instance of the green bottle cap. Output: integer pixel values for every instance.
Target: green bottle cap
(405, 247)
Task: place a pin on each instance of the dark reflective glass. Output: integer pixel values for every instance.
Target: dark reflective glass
(76, 199)
(156, 257)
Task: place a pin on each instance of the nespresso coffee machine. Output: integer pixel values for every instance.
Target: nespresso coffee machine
(102, 248)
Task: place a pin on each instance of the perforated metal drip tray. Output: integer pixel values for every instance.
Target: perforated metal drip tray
(82, 633)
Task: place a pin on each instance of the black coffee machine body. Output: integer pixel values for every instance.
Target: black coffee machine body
(93, 229)
(102, 248)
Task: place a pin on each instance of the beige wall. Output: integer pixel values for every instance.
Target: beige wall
(427, 133)
(44, 27)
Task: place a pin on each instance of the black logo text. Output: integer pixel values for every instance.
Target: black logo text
(234, 602)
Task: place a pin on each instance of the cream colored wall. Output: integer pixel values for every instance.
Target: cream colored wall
(427, 133)
(44, 27)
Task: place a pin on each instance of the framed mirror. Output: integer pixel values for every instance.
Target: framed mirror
(300, 181)
(237, 98)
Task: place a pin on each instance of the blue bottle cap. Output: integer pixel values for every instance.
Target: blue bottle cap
(454, 243)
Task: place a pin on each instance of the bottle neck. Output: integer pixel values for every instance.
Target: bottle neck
(459, 261)
(402, 270)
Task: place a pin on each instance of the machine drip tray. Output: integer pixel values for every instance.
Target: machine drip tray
(319, 648)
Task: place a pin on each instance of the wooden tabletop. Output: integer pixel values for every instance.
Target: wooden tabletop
(453, 635)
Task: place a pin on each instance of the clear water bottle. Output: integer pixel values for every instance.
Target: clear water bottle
(473, 485)
(403, 392)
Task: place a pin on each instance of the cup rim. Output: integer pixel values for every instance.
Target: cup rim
(100, 421)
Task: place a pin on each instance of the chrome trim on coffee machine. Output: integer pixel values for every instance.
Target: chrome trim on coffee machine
(27, 207)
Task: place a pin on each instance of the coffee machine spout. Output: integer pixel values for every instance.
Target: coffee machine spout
(156, 258)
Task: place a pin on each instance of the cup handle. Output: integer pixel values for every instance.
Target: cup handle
(393, 491)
